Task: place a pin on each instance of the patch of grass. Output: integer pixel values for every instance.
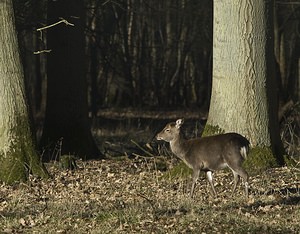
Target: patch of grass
(179, 171)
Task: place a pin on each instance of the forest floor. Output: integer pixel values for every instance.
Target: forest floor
(134, 191)
(137, 195)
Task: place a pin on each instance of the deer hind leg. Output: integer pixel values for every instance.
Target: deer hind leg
(237, 173)
(209, 175)
(245, 177)
(236, 181)
(234, 161)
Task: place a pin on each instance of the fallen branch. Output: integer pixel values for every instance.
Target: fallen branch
(134, 114)
(141, 148)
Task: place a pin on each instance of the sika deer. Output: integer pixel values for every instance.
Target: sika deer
(208, 154)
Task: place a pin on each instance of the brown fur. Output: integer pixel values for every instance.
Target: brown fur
(208, 154)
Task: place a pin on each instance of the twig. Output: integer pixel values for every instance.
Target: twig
(41, 51)
(141, 148)
(140, 156)
(147, 199)
(52, 25)
(105, 2)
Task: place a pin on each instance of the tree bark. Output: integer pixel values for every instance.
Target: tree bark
(243, 91)
(67, 107)
(18, 157)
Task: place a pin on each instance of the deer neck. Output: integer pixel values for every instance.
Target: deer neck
(179, 147)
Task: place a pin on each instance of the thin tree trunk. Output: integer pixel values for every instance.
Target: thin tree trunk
(67, 107)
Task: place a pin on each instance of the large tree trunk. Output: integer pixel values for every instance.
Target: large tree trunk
(17, 153)
(243, 92)
(67, 107)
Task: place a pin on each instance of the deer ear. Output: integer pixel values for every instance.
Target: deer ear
(179, 122)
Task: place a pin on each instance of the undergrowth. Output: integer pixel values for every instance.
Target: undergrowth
(133, 196)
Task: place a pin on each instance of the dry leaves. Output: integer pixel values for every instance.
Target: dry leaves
(132, 196)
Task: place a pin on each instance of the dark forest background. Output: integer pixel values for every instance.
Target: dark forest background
(150, 55)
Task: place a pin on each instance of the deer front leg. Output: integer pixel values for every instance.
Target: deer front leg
(209, 175)
(196, 173)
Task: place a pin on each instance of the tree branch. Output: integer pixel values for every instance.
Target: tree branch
(52, 25)
(41, 51)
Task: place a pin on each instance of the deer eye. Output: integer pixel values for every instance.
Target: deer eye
(167, 130)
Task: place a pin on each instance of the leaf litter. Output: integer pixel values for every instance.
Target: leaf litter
(133, 196)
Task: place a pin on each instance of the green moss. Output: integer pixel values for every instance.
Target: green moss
(210, 130)
(21, 158)
(290, 162)
(12, 168)
(260, 159)
(68, 162)
(16, 165)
